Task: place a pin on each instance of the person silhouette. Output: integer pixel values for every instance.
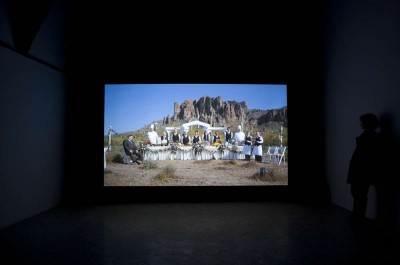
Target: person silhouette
(364, 165)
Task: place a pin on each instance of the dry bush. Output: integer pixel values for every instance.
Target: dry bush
(167, 173)
(148, 164)
(273, 173)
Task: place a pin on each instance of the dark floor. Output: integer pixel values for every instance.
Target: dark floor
(189, 233)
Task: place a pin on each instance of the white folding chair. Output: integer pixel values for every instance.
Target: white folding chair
(280, 154)
(270, 156)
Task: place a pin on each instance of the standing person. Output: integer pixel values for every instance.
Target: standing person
(228, 134)
(176, 138)
(239, 135)
(130, 149)
(152, 136)
(164, 138)
(196, 138)
(364, 167)
(217, 138)
(207, 136)
(247, 146)
(258, 147)
(185, 138)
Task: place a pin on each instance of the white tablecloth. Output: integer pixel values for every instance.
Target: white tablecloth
(187, 153)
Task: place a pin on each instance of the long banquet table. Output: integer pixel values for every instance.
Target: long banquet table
(188, 153)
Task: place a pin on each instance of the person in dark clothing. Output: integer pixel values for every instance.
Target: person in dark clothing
(131, 150)
(185, 138)
(176, 138)
(216, 138)
(228, 134)
(196, 138)
(364, 165)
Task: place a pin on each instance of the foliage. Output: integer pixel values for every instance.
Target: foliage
(198, 148)
(148, 164)
(168, 170)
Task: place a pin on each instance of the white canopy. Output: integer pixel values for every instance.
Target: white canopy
(186, 126)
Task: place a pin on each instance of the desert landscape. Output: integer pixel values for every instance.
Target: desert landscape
(196, 173)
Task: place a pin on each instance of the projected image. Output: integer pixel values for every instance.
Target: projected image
(195, 135)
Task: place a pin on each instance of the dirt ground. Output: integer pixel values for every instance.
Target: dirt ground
(195, 173)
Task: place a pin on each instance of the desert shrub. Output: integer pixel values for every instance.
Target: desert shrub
(118, 158)
(115, 155)
(168, 170)
(167, 173)
(148, 164)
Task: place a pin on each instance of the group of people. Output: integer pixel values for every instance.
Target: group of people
(249, 146)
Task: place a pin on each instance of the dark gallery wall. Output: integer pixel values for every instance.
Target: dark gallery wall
(274, 44)
(361, 74)
(53, 105)
(32, 111)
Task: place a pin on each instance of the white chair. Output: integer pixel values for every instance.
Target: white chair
(280, 154)
(275, 154)
(270, 156)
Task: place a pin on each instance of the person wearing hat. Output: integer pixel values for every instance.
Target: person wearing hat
(152, 136)
(239, 135)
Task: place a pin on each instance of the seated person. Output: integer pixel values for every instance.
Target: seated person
(185, 138)
(152, 136)
(196, 138)
(164, 139)
(130, 149)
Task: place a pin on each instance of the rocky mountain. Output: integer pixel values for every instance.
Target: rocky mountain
(217, 112)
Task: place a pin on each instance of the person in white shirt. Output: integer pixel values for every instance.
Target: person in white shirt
(207, 137)
(164, 139)
(258, 147)
(239, 135)
(186, 138)
(152, 136)
(247, 146)
(176, 138)
(228, 134)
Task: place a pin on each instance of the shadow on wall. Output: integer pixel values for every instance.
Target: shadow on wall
(388, 186)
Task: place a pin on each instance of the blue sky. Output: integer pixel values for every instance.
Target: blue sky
(130, 107)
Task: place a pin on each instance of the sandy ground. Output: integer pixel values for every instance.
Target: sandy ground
(195, 173)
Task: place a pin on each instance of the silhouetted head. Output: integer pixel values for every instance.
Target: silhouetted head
(369, 121)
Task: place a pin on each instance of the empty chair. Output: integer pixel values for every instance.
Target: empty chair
(280, 154)
(270, 156)
(275, 154)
